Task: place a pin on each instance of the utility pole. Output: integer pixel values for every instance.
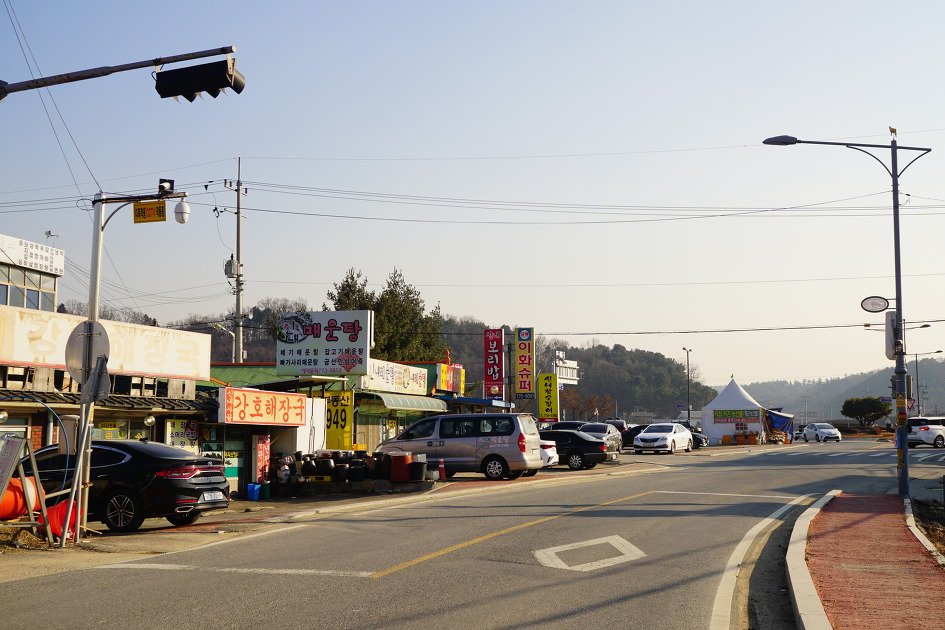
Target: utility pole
(237, 271)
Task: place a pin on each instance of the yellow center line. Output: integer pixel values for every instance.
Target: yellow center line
(468, 543)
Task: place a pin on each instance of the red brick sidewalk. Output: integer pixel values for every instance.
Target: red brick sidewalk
(870, 570)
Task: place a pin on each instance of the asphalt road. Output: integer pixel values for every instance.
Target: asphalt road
(654, 543)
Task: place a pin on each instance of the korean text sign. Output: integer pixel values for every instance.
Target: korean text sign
(325, 342)
(721, 416)
(339, 419)
(253, 406)
(548, 397)
(494, 382)
(524, 363)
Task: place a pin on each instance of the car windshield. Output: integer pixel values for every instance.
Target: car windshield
(659, 428)
(824, 426)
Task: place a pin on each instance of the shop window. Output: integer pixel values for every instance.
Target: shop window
(32, 299)
(741, 426)
(4, 291)
(5, 274)
(48, 302)
(32, 279)
(110, 430)
(17, 296)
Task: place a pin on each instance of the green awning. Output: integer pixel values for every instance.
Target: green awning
(407, 402)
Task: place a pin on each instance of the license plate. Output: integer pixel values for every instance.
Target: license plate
(212, 496)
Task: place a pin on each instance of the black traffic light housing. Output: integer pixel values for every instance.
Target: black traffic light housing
(207, 77)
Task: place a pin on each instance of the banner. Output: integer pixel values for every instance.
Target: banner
(494, 382)
(524, 364)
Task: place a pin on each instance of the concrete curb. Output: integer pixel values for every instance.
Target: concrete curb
(809, 611)
(910, 523)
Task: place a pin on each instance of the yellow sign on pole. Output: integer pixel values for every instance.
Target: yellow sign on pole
(150, 211)
(339, 419)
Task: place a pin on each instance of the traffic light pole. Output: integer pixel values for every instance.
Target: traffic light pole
(103, 71)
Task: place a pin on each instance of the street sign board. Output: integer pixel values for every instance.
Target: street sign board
(150, 211)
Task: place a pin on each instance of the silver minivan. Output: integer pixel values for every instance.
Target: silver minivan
(499, 445)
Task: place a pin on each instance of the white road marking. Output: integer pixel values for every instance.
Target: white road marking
(549, 557)
(725, 595)
(187, 567)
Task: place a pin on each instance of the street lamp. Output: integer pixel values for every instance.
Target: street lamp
(918, 389)
(900, 350)
(94, 376)
(688, 388)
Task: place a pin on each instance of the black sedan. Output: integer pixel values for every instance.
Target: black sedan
(133, 480)
(576, 449)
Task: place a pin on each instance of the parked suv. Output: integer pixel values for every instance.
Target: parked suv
(926, 431)
(498, 445)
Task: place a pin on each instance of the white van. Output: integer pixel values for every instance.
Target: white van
(499, 445)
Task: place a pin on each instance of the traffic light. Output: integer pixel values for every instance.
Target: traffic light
(207, 77)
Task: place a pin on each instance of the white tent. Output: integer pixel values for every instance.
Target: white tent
(733, 409)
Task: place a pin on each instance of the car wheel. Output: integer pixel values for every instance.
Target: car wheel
(184, 519)
(575, 461)
(531, 472)
(122, 511)
(805, 438)
(817, 437)
(495, 468)
(939, 441)
(515, 474)
(689, 446)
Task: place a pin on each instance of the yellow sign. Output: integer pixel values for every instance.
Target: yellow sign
(339, 419)
(547, 397)
(150, 211)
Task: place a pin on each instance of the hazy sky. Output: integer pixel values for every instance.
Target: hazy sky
(593, 169)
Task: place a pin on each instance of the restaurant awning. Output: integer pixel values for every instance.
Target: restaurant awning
(406, 401)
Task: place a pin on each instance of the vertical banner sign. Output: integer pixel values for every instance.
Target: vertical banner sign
(494, 382)
(547, 397)
(339, 418)
(524, 364)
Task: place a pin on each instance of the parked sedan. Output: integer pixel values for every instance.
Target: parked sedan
(549, 453)
(133, 480)
(576, 448)
(609, 434)
(667, 438)
(799, 433)
(821, 432)
(567, 425)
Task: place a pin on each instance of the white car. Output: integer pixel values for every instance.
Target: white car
(922, 430)
(669, 438)
(821, 432)
(549, 453)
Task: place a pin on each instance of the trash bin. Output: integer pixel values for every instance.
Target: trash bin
(252, 492)
(400, 466)
(418, 470)
(264, 493)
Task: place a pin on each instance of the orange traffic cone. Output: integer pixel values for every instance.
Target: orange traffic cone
(442, 470)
